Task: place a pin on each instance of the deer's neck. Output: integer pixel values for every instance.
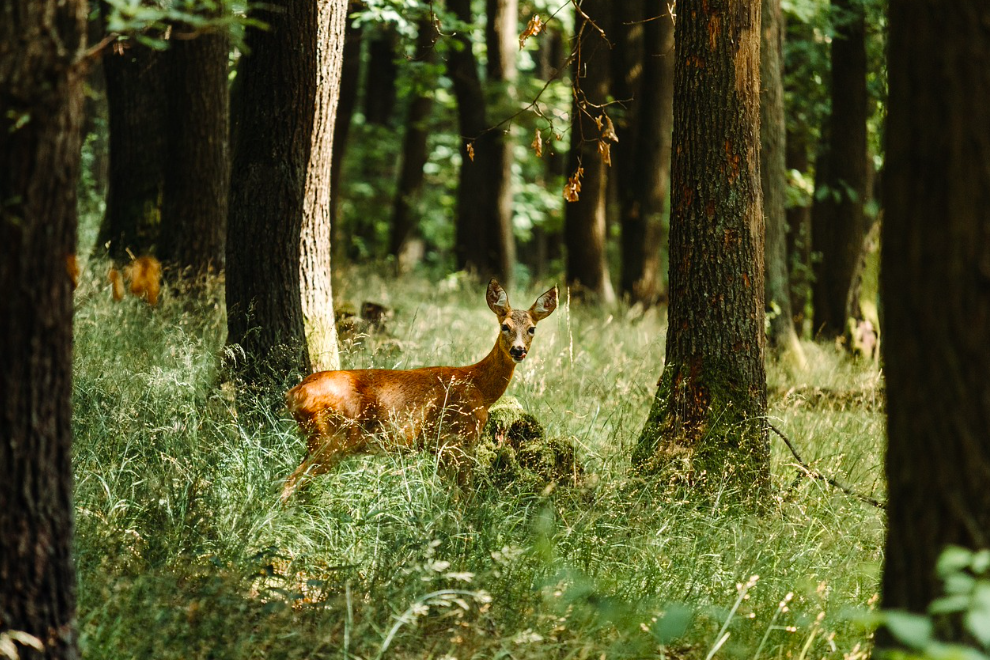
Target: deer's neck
(492, 375)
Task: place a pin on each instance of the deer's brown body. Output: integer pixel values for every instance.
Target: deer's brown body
(440, 408)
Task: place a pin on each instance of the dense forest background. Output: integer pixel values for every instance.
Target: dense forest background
(707, 454)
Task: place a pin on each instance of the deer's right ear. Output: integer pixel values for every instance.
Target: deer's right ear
(498, 300)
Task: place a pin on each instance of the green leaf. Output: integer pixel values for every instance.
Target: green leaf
(672, 624)
(959, 583)
(914, 630)
(978, 618)
(981, 562)
(952, 560)
(949, 604)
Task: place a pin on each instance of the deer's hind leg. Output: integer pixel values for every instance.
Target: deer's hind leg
(329, 441)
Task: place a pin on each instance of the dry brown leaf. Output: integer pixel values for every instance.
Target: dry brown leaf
(573, 187)
(538, 144)
(534, 27)
(605, 149)
(470, 150)
(609, 131)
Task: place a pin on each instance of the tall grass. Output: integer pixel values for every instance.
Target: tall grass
(184, 550)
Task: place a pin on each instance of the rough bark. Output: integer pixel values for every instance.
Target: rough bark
(648, 177)
(707, 423)
(274, 129)
(773, 132)
(840, 224)
(41, 93)
(584, 219)
(197, 169)
(414, 156)
(135, 77)
(936, 290)
(502, 41)
(480, 241)
(314, 264)
(350, 77)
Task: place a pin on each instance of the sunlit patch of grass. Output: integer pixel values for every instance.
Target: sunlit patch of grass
(185, 551)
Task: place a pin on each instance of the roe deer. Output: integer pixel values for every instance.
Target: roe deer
(340, 410)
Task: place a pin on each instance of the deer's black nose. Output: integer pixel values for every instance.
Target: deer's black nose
(517, 352)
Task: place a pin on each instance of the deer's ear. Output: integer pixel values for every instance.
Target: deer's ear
(544, 305)
(498, 300)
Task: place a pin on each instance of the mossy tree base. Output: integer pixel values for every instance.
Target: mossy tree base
(705, 430)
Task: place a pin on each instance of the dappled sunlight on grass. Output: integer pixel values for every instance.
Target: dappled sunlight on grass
(185, 551)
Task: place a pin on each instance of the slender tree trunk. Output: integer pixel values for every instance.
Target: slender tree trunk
(135, 77)
(479, 241)
(41, 93)
(414, 156)
(936, 270)
(840, 228)
(649, 176)
(314, 265)
(773, 131)
(382, 73)
(271, 156)
(799, 234)
(707, 423)
(502, 40)
(197, 172)
(350, 78)
(584, 221)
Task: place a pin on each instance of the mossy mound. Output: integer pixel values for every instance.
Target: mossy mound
(514, 451)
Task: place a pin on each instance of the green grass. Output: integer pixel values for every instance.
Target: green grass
(185, 552)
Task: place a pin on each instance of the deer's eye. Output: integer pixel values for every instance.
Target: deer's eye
(505, 327)
(532, 330)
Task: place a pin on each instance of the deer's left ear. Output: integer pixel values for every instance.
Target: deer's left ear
(497, 299)
(544, 305)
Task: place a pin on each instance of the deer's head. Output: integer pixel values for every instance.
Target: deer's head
(518, 327)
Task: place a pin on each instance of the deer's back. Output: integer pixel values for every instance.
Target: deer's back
(375, 398)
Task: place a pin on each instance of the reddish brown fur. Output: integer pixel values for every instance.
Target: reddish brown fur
(438, 408)
(144, 274)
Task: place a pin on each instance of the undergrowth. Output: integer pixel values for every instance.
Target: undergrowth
(184, 550)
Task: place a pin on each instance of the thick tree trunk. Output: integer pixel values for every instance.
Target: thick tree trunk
(350, 77)
(135, 77)
(936, 290)
(197, 171)
(707, 423)
(41, 93)
(271, 157)
(479, 242)
(773, 132)
(502, 41)
(584, 220)
(841, 226)
(414, 156)
(314, 264)
(648, 178)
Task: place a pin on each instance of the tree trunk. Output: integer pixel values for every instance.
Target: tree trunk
(584, 220)
(270, 158)
(799, 234)
(479, 240)
(414, 156)
(350, 77)
(840, 228)
(502, 41)
(936, 290)
(649, 176)
(314, 265)
(773, 131)
(707, 423)
(379, 84)
(135, 77)
(41, 93)
(197, 172)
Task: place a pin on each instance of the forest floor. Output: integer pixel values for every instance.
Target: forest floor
(184, 550)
